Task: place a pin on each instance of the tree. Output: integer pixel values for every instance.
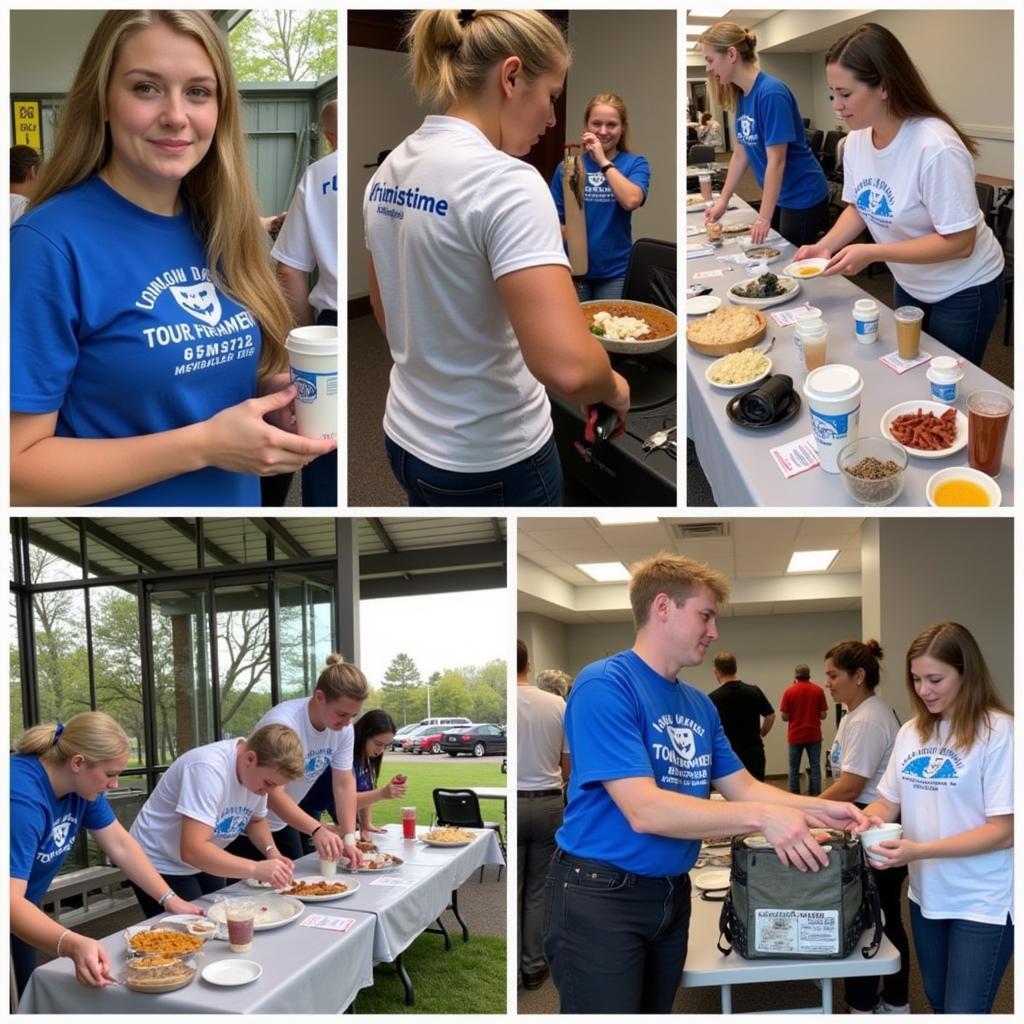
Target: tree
(285, 46)
(451, 695)
(400, 679)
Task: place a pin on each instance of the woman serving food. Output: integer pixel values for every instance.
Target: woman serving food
(616, 182)
(908, 174)
(771, 137)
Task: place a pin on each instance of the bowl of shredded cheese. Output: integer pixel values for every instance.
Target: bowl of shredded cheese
(738, 370)
(624, 325)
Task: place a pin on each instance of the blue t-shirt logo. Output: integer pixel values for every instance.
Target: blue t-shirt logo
(233, 822)
(683, 741)
(596, 180)
(60, 833)
(875, 201)
(317, 762)
(199, 300)
(748, 135)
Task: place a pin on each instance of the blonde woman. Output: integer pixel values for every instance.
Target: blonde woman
(59, 774)
(617, 182)
(771, 137)
(147, 329)
(950, 776)
(323, 723)
(468, 277)
(208, 797)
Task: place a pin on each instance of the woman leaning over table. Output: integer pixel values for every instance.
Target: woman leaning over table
(468, 277)
(59, 774)
(771, 137)
(147, 329)
(908, 175)
(859, 756)
(951, 778)
(207, 797)
(616, 184)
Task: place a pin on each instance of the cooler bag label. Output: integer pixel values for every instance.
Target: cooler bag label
(831, 429)
(796, 931)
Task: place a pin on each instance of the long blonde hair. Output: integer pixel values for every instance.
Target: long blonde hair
(219, 191)
(614, 100)
(93, 734)
(451, 53)
(720, 37)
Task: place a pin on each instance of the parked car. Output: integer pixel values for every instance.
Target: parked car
(403, 734)
(476, 740)
(446, 722)
(426, 742)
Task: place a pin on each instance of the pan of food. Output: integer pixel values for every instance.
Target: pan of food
(630, 327)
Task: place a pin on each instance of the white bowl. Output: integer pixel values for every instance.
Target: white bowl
(736, 387)
(753, 261)
(964, 473)
(818, 264)
(938, 408)
(791, 285)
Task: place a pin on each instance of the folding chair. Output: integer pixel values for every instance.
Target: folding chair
(462, 807)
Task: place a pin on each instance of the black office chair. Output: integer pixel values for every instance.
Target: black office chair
(987, 202)
(815, 140)
(461, 807)
(807, 122)
(829, 162)
(651, 274)
(700, 155)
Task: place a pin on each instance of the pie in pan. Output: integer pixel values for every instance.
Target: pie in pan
(727, 329)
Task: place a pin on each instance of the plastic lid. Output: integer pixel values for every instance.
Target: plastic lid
(834, 382)
(321, 340)
(811, 327)
(865, 306)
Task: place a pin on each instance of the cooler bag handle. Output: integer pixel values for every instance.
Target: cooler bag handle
(724, 921)
(869, 951)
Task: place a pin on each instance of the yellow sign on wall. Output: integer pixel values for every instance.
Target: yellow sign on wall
(27, 125)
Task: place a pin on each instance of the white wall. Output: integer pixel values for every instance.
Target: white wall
(44, 60)
(546, 641)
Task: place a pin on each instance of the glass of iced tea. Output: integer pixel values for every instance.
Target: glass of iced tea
(241, 915)
(988, 417)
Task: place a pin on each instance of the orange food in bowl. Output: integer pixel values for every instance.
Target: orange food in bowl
(961, 494)
(808, 271)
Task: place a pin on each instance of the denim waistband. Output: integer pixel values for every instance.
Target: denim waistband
(562, 857)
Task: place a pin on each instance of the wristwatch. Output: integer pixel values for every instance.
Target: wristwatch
(607, 167)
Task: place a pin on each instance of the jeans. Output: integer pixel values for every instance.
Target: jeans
(599, 288)
(540, 817)
(964, 321)
(532, 482)
(813, 767)
(188, 887)
(801, 227)
(24, 958)
(862, 993)
(961, 962)
(615, 941)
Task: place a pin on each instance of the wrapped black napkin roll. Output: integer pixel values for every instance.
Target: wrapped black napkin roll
(768, 400)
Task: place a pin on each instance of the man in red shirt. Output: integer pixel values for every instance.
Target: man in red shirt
(804, 707)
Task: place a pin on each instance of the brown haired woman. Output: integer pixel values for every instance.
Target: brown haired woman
(616, 183)
(908, 175)
(950, 776)
(147, 329)
(59, 774)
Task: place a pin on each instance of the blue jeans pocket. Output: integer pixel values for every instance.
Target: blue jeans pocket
(489, 494)
(595, 878)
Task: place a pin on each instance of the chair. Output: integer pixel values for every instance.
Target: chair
(815, 140)
(829, 160)
(700, 155)
(462, 807)
(651, 274)
(987, 202)
(1004, 216)
(807, 122)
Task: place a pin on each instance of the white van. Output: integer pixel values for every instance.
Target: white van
(446, 721)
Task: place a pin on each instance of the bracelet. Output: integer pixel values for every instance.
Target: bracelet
(314, 832)
(166, 896)
(607, 167)
(67, 931)
(269, 846)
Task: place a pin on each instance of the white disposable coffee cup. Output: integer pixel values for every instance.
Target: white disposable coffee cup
(873, 836)
(328, 867)
(313, 359)
(833, 396)
(865, 320)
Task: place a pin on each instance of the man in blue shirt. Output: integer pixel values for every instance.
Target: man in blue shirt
(646, 751)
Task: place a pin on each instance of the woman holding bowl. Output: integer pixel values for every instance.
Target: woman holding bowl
(59, 774)
(908, 177)
(468, 277)
(950, 776)
(771, 137)
(859, 756)
(147, 329)
(616, 184)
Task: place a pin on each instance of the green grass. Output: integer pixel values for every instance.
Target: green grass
(469, 979)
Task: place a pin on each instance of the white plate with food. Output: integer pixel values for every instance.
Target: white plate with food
(144, 939)
(929, 430)
(762, 254)
(255, 883)
(231, 972)
(448, 836)
(757, 841)
(701, 304)
(195, 925)
(628, 326)
(711, 878)
(806, 268)
(373, 863)
(272, 911)
(765, 290)
(738, 370)
(318, 889)
(737, 223)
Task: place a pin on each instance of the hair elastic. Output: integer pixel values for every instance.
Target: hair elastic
(466, 16)
(57, 733)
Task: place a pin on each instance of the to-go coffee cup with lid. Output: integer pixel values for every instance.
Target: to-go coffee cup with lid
(865, 320)
(833, 395)
(944, 374)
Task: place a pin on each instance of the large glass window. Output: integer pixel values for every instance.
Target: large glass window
(243, 655)
(306, 629)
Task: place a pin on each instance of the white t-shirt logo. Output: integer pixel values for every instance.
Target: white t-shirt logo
(926, 767)
(746, 126)
(60, 833)
(682, 741)
(875, 201)
(199, 300)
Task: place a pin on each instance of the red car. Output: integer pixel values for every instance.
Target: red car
(425, 741)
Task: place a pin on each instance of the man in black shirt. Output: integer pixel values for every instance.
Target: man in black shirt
(741, 708)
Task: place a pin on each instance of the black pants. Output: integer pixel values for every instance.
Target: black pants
(801, 227)
(862, 993)
(753, 760)
(188, 887)
(287, 840)
(615, 941)
(24, 958)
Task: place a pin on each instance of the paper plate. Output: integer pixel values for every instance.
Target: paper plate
(351, 884)
(735, 387)
(275, 912)
(959, 443)
(702, 304)
(791, 285)
(231, 972)
(818, 264)
(711, 878)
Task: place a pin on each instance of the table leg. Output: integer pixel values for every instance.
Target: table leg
(403, 975)
(455, 911)
(441, 930)
(826, 995)
(727, 999)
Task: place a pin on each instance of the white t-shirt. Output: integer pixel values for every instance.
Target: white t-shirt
(446, 215)
(540, 718)
(320, 750)
(201, 784)
(309, 235)
(920, 184)
(945, 791)
(18, 205)
(863, 744)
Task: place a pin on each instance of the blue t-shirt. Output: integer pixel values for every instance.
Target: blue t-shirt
(623, 720)
(609, 234)
(43, 828)
(320, 796)
(116, 327)
(768, 116)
